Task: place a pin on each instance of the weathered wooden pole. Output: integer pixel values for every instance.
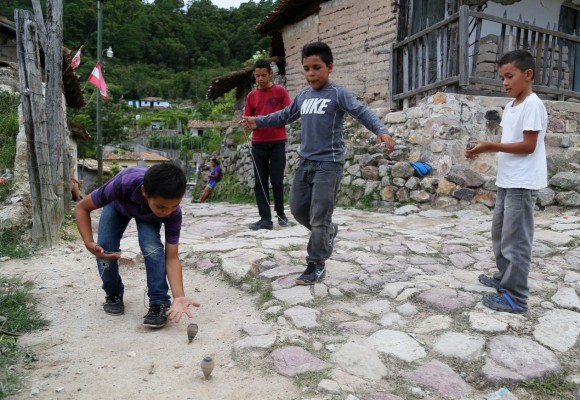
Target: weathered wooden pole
(45, 203)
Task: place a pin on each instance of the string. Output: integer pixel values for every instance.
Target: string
(105, 265)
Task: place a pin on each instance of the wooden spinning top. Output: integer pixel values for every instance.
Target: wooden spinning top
(192, 331)
(207, 365)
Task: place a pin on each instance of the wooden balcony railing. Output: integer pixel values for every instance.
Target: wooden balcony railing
(453, 54)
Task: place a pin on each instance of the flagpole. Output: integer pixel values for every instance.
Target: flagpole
(99, 96)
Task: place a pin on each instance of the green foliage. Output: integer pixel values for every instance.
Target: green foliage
(231, 191)
(13, 245)
(555, 386)
(19, 307)
(8, 129)
(166, 48)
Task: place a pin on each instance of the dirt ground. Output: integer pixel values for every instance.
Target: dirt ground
(87, 354)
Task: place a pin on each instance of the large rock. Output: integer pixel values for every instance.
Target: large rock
(446, 299)
(459, 345)
(464, 176)
(516, 359)
(440, 378)
(239, 263)
(291, 361)
(558, 329)
(303, 317)
(398, 344)
(361, 361)
(566, 181)
(293, 296)
(402, 170)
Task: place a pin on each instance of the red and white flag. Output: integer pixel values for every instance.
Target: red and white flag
(76, 59)
(97, 79)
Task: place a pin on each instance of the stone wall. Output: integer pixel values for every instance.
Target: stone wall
(358, 33)
(436, 132)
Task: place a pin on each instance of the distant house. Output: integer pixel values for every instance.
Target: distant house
(197, 127)
(127, 159)
(88, 174)
(149, 102)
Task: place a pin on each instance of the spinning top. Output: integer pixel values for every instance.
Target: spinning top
(207, 365)
(191, 331)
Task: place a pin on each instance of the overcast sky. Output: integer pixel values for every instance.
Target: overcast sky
(228, 3)
(219, 3)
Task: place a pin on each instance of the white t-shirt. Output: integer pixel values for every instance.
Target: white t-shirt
(523, 171)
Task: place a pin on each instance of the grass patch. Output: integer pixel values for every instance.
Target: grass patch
(257, 286)
(228, 190)
(68, 228)
(13, 245)
(555, 386)
(19, 307)
(308, 381)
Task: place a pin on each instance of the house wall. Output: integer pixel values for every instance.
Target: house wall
(8, 48)
(359, 32)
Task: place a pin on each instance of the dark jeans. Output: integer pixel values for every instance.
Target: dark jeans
(112, 225)
(512, 234)
(270, 162)
(312, 197)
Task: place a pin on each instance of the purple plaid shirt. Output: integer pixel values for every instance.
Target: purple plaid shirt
(123, 192)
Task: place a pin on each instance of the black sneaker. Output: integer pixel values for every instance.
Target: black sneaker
(262, 224)
(114, 304)
(282, 220)
(333, 234)
(156, 317)
(313, 273)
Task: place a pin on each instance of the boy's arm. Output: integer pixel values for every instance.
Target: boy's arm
(367, 117)
(526, 146)
(278, 118)
(83, 221)
(174, 272)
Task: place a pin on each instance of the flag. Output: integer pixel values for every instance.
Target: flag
(97, 79)
(76, 59)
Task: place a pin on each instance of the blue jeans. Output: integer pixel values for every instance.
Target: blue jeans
(312, 197)
(512, 234)
(112, 225)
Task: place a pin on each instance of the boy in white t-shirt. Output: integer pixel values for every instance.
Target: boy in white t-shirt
(521, 172)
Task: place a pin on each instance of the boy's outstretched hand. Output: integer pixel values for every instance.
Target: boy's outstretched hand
(249, 123)
(180, 306)
(387, 140)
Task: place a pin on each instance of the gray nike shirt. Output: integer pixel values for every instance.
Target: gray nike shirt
(322, 115)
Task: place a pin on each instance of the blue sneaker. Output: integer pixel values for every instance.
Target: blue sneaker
(504, 303)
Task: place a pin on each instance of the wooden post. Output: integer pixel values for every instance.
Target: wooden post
(463, 46)
(45, 203)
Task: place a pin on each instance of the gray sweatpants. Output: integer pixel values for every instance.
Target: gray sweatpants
(512, 234)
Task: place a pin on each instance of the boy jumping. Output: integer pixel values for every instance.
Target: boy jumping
(321, 108)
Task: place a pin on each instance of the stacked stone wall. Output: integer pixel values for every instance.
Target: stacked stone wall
(436, 132)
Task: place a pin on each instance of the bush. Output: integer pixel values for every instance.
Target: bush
(8, 129)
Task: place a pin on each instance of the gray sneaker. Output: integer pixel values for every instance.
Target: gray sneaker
(262, 224)
(156, 317)
(114, 304)
(313, 273)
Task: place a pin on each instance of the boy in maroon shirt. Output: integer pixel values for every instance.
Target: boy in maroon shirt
(268, 146)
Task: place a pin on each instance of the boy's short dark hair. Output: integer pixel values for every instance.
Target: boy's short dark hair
(261, 63)
(320, 49)
(165, 180)
(215, 160)
(522, 60)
